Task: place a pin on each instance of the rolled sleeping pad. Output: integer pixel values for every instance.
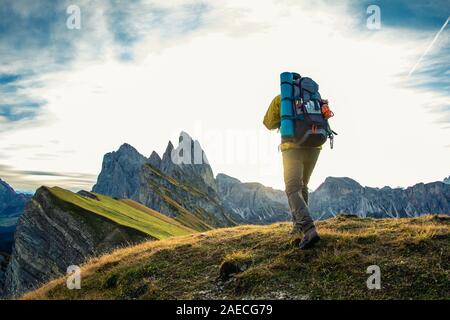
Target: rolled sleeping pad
(286, 107)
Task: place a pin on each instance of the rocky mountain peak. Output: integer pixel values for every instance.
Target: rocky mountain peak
(5, 189)
(339, 183)
(11, 203)
(447, 180)
(222, 177)
(127, 148)
(182, 174)
(155, 160)
(345, 195)
(167, 154)
(120, 172)
(251, 201)
(188, 151)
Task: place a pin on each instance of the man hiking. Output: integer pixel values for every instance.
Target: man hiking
(302, 117)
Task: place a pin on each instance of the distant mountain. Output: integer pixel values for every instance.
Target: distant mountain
(119, 176)
(59, 228)
(253, 202)
(344, 195)
(11, 207)
(447, 180)
(186, 191)
(190, 192)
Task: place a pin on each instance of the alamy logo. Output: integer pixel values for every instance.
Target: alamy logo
(374, 18)
(188, 151)
(74, 19)
(374, 280)
(74, 277)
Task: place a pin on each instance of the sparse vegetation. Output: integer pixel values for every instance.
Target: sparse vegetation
(413, 255)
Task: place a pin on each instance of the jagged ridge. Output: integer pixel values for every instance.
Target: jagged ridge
(339, 195)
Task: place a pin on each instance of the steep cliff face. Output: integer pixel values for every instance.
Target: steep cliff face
(188, 163)
(4, 259)
(59, 229)
(120, 173)
(344, 195)
(253, 202)
(195, 208)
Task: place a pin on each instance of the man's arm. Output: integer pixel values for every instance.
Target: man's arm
(272, 117)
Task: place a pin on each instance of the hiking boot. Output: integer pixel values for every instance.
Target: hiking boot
(296, 230)
(309, 239)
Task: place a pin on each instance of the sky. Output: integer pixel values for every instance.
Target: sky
(140, 72)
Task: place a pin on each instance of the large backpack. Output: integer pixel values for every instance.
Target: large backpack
(311, 129)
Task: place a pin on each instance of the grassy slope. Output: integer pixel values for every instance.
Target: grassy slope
(125, 212)
(413, 255)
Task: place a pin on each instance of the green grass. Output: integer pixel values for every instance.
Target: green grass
(126, 213)
(413, 255)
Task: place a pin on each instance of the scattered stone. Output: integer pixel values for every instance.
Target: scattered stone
(88, 194)
(230, 268)
(347, 216)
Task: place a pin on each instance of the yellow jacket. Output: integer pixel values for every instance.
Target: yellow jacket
(272, 121)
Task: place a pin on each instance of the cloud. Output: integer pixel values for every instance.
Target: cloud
(8, 78)
(36, 46)
(138, 71)
(17, 112)
(30, 179)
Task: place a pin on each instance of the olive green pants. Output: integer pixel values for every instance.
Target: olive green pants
(298, 166)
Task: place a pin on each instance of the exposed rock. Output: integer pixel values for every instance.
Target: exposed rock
(51, 235)
(253, 202)
(4, 259)
(88, 194)
(120, 173)
(230, 268)
(174, 197)
(447, 180)
(183, 180)
(188, 163)
(155, 160)
(180, 183)
(344, 195)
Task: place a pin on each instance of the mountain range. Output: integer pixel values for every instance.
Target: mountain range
(345, 195)
(188, 189)
(155, 182)
(140, 199)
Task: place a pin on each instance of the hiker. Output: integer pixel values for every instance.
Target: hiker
(302, 117)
